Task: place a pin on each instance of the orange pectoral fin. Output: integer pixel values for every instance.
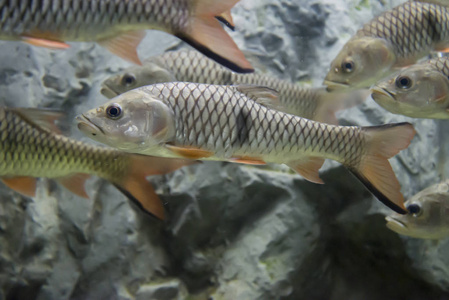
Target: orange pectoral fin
(75, 184)
(24, 185)
(41, 42)
(248, 160)
(190, 152)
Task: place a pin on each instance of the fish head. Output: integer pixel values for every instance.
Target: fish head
(134, 121)
(360, 63)
(150, 72)
(419, 91)
(426, 217)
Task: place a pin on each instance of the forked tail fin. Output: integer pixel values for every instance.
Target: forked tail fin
(135, 186)
(374, 170)
(207, 36)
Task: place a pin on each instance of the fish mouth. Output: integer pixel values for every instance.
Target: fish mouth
(86, 126)
(378, 93)
(108, 92)
(395, 224)
(334, 85)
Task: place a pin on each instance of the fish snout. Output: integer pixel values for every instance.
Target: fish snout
(108, 92)
(86, 126)
(395, 225)
(332, 86)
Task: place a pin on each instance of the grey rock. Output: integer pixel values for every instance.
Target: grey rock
(233, 231)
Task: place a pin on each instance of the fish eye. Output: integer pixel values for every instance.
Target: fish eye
(128, 79)
(114, 111)
(347, 66)
(403, 82)
(414, 209)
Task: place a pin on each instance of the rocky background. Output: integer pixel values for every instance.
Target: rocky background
(234, 231)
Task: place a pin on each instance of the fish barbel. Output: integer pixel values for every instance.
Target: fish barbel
(119, 25)
(419, 91)
(397, 38)
(30, 148)
(428, 214)
(191, 66)
(213, 122)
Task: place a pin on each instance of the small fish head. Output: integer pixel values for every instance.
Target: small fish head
(426, 217)
(360, 63)
(134, 77)
(420, 91)
(133, 122)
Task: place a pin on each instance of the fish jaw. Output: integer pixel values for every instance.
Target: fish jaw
(87, 127)
(335, 86)
(108, 92)
(396, 225)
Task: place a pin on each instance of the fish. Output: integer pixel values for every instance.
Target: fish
(232, 123)
(119, 25)
(428, 214)
(191, 66)
(32, 146)
(419, 91)
(397, 38)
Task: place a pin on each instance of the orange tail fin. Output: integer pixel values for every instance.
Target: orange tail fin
(207, 36)
(375, 171)
(135, 186)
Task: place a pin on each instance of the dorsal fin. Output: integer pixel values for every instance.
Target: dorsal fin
(43, 118)
(261, 94)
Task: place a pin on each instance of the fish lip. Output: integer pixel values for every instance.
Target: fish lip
(334, 85)
(390, 220)
(84, 120)
(108, 92)
(376, 90)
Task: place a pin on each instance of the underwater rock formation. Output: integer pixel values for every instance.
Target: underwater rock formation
(234, 231)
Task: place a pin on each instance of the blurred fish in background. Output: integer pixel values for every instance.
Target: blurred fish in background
(419, 91)
(191, 66)
(31, 147)
(397, 38)
(120, 25)
(213, 122)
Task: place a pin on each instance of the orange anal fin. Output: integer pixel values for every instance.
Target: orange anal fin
(308, 168)
(226, 18)
(75, 184)
(24, 185)
(51, 44)
(125, 45)
(247, 160)
(190, 152)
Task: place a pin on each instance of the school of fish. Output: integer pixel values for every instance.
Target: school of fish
(190, 105)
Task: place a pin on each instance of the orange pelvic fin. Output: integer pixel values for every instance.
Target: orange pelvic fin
(135, 186)
(308, 168)
(207, 36)
(226, 18)
(24, 185)
(43, 118)
(75, 184)
(41, 42)
(375, 171)
(190, 152)
(248, 160)
(125, 45)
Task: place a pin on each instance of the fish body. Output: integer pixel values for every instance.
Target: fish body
(397, 38)
(232, 123)
(419, 91)
(191, 66)
(30, 148)
(428, 214)
(120, 25)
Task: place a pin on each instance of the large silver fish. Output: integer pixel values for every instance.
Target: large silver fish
(30, 148)
(119, 25)
(214, 122)
(419, 91)
(397, 38)
(428, 214)
(191, 66)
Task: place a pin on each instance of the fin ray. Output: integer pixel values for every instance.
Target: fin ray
(22, 184)
(125, 45)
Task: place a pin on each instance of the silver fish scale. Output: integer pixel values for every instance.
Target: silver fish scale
(222, 120)
(412, 28)
(29, 151)
(79, 20)
(192, 66)
(442, 64)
